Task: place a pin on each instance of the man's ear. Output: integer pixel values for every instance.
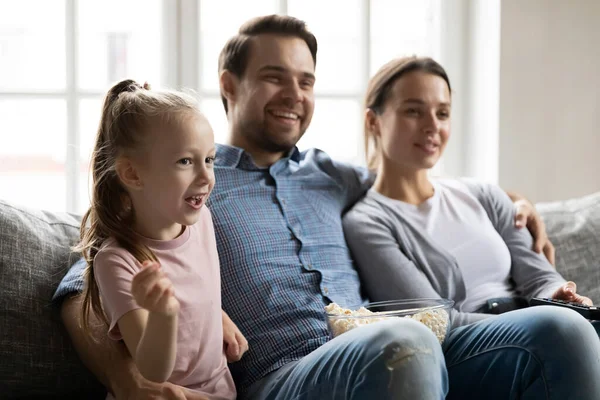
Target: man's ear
(128, 174)
(228, 83)
(372, 122)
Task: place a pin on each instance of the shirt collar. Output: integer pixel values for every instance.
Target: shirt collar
(294, 154)
(236, 157)
(228, 156)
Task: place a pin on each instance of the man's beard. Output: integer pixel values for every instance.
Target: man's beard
(266, 140)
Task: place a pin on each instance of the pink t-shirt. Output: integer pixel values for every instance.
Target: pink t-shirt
(191, 262)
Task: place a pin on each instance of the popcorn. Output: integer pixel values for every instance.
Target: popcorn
(436, 320)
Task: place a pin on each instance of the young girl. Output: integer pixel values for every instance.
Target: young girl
(153, 269)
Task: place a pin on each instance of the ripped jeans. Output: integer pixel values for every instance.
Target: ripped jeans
(534, 353)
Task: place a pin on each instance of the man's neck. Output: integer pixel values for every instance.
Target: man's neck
(261, 157)
(264, 159)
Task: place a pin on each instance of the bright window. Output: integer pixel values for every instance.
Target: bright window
(56, 64)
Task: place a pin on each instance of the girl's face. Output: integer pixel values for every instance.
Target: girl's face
(176, 175)
(414, 127)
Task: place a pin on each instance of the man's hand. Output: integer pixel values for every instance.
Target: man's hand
(528, 216)
(568, 292)
(147, 390)
(234, 342)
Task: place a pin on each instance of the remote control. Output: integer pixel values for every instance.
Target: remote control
(588, 312)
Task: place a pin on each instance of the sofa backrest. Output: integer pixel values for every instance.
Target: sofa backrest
(37, 356)
(36, 352)
(574, 228)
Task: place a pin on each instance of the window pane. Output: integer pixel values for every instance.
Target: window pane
(403, 28)
(119, 39)
(335, 129)
(220, 20)
(32, 155)
(339, 61)
(89, 118)
(90, 111)
(32, 45)
(214, 111)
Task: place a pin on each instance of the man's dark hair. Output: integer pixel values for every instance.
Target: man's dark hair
(235, 53)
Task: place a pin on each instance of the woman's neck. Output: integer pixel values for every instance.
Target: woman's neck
(398, 183)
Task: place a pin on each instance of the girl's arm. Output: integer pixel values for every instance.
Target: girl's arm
(140, 303)
(150, 333)
(151, 339)
(110, 361)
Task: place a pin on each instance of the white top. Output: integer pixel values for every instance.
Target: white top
(459, 224)
(398, 258)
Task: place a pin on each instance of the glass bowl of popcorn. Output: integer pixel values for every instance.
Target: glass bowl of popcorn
(433, 313)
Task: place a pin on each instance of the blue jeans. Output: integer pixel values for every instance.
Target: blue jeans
(534, 353)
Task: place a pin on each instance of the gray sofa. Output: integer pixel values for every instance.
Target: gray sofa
(37, 358)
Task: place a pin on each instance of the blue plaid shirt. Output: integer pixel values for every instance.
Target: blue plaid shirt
(282, 252)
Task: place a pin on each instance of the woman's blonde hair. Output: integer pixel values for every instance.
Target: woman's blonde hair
(129, 111)
(378, 92)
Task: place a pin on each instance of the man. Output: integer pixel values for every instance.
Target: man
(277, 215)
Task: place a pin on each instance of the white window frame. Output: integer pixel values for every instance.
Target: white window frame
(181, 63)
(72, 95)
(190, 49)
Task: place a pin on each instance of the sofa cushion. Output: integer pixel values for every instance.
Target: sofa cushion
(574, 229)
(37, 356)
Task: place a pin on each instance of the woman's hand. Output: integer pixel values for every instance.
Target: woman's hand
(528, 216)
(568, 292)
(234, 342)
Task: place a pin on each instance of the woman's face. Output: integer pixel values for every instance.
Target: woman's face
(414, 127)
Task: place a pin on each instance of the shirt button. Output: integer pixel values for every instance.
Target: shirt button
(325, 290)
(283, 201)
(309, 267)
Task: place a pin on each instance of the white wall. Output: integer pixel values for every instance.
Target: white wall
(550, 98)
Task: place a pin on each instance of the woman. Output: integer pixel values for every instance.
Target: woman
(412, 236)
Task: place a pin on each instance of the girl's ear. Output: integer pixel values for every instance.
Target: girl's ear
(372, 122)
(128, 174)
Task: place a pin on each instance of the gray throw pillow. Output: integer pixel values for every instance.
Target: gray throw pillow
(38, 359)
(574, 229)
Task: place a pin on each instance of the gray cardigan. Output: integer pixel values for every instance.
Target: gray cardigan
(397, 260)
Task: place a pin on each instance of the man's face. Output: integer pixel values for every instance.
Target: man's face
(274, 100)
